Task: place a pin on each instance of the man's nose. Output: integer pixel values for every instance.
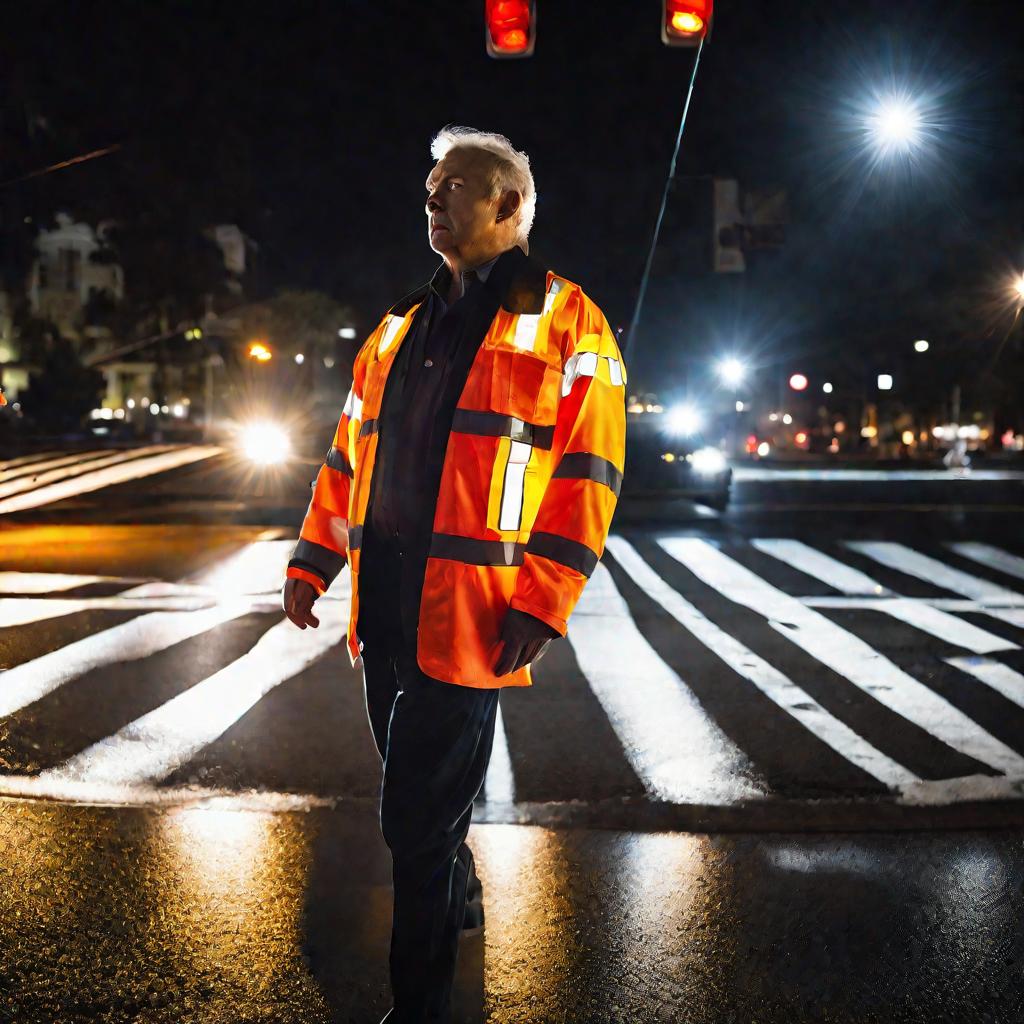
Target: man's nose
(433, 203)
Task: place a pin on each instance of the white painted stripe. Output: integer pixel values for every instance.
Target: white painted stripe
(51, 582)
(995, 674)
(22, 612)
(948, 604)
(22, 459)
(73, 466)
(769, 680)
(993, 557)
(966, 789)
(844, 653)
(158, 743)
(813, 562)
(256, 568)
(931, 570)
(499, 786)
(942, 625)
(851, 581)
(70, 791)
(138, 638)
(96, 479)
(676, 750)
(27, 475)
(764, 475)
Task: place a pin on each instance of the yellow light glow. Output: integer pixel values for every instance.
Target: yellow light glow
(257, 350)
(669, 457)
(687, 23)
(908, 437)
(1019, 286)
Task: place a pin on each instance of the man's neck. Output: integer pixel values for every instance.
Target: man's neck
(458, 267)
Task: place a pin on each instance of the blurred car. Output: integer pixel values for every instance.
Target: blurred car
(668, 455)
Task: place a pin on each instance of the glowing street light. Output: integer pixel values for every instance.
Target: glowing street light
(827, 388)
(259, 352)
(732, 371)
(885, 382)
(1018, 287)
(895, 125)
(798, 382)
(921, 345)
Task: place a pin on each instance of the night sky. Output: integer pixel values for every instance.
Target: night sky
(310, 124)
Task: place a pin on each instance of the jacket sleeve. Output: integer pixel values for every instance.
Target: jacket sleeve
(322, 548)
(575, 513)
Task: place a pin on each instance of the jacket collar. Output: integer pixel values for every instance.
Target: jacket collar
(520, 279)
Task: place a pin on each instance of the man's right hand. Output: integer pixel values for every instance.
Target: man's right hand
(297, 599)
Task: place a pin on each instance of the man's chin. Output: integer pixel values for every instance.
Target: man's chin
(441, 245)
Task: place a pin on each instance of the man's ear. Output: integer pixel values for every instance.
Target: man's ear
(510, 203)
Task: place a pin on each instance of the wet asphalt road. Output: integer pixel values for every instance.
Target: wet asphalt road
(236, 873)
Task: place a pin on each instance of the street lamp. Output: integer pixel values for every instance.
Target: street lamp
(921, 345)
(1018, 287)
(885, 382)
(895, 125)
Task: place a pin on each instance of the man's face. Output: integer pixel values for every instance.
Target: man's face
(461, 214)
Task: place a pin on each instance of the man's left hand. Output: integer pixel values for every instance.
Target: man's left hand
(524, 640)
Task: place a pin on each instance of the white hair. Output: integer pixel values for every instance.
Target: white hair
(510, 169)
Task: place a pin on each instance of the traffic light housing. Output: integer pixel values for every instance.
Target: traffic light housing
(511, 27)
(685, 22)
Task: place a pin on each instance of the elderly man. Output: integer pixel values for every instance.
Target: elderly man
(470, 486)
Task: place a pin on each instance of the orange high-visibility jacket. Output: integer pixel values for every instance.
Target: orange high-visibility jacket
(529, 482)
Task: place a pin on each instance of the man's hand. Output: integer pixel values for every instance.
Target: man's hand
(524, 640)
(298, 601)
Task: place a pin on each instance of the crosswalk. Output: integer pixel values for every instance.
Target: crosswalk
(31, 481)
(695, 673)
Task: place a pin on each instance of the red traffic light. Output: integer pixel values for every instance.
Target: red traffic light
(685, 22)
(511, 27)
(798, 382)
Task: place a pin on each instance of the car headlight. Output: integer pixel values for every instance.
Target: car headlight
(265, 443)
(684, 420)
(707, 461)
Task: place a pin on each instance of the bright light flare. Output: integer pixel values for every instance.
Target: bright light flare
(259, 351)
(732, 371)
(707, 461)
(921, 345)
(684, 420)
(798, 382)
(896, 125)
(266, 444)
(1018, 287)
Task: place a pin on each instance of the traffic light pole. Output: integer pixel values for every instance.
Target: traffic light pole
(630, 338)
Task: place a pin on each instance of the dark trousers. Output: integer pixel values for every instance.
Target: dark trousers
(435, 741)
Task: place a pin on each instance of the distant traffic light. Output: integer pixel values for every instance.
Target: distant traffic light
(511, 29)
(685, 22)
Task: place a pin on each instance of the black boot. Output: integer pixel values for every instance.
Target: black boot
(473, 919)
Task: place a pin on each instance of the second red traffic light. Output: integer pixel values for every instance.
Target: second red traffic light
(511, 27)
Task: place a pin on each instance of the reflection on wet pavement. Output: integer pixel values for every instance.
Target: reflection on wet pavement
(209, 915)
